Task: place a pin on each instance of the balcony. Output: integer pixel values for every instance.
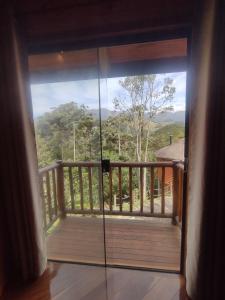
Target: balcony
(142, 208)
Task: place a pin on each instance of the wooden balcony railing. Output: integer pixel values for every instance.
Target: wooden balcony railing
(152, 189)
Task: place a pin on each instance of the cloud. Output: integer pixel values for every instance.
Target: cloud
(50, 95)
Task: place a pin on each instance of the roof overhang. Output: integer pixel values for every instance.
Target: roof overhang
(116, 61)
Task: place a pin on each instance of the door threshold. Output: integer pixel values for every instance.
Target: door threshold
(117, 266)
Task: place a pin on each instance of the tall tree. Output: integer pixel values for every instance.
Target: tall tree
(142, 98)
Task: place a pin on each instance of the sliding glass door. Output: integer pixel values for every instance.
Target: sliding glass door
(110, 143)
(143, 130)
(66, 103)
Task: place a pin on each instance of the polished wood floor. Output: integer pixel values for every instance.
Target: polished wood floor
(142, 243)
(80, 282)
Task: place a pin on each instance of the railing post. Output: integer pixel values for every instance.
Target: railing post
(43, 199)
(60, 188)
(180, 196)
(175, 192)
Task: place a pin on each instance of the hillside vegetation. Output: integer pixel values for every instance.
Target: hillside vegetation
(55, 136)
(142, 121)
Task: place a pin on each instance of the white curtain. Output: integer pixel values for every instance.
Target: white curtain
(21, 210)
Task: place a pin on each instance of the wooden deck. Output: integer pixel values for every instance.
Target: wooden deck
(140, 243)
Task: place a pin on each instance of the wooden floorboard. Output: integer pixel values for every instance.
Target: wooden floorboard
(135, 243)
(71, 281)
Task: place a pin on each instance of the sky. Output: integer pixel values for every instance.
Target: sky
(47, 96)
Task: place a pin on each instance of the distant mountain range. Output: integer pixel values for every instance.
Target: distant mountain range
(171, 117)
(167, 117)
(105, 113)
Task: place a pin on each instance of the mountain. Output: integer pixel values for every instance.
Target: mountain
(105, 113)
(171, 117)
(166, 117)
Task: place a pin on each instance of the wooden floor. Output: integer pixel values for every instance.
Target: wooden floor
(145, 243)
(80, 282)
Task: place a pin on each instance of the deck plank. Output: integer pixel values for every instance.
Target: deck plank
(144, 243)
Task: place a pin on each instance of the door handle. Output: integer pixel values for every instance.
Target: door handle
(105, 165)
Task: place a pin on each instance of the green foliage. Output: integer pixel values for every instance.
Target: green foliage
(144, 97)
(70, 130)
(57, 130)
(44, 153)
(161, 137)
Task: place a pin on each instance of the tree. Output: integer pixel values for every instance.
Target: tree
(142, 98)
(44, 154)
(117, 141)
(55, 133)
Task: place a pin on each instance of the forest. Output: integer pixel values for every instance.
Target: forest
(132, 131)
(141, 122)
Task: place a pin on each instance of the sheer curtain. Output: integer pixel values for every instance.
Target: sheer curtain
(205, 237)
(21, 212)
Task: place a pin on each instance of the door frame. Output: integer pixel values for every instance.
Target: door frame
(135, 38)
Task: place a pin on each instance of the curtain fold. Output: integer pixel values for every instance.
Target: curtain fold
(2, 269)
(205, 262)
(20, 206)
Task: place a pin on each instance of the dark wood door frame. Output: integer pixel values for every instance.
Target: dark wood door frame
(133, 39)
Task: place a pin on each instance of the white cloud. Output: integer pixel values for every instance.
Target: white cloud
(49, 95)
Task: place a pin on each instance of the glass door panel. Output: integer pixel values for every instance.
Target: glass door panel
(139, 107)
(110, 109)
(65, 96)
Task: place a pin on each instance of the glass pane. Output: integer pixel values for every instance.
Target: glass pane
(65, 96)
(143, 110)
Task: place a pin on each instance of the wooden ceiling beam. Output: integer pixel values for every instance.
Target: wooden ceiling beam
(122, 60)
(56, 22)
(114, 55)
